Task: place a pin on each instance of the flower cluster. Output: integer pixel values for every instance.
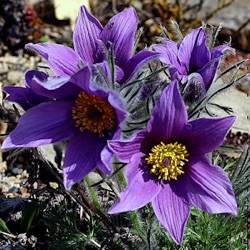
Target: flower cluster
(84, 103)
(191, 62)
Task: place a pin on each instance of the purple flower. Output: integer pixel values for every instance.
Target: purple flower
(91, 40)
(168, 166)
(191, 62)
(79, 112)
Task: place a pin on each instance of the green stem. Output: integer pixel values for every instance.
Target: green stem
(122, 182)
(92, 192)
(135, 219)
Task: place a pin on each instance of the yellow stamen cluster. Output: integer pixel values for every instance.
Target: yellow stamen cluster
(93, 113)
(167, 160)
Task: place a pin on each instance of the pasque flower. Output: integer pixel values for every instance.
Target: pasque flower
(76, 111)
(191, 62)
(168, 166)
(91, 41)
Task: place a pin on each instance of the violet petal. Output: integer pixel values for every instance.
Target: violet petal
(81, 157)
(209, 188)
(172, 212)
(25, 97)
(86, 33)
(125, 149)
(46, 123)
(115, 101)
(141, 189)
(61, 59)
(136, 62)
(105, 163)
(120, 31)
(51, 87)
(82, 79)
(219, 51)
(169, 114)
(208, 72)
(193, 51)
(207, 134)
(169, 52)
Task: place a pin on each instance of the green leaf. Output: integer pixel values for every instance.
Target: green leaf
(28, 216)
(44, 39)
(3, 227)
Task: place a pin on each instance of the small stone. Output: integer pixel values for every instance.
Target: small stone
(3, 68)
(24, 192)
(3, 167)
(13, 190)
(15, 76)
(17, 170)
(22, 239)
(53, 185)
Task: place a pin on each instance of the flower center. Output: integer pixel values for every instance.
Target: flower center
(94, 113)
(167, 160)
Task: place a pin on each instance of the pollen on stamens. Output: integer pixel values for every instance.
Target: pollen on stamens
(94, 113)
(167, 160)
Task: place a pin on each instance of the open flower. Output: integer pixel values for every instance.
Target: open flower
(90, 38)
(191, 62)
(168, 166)
(79, 112)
